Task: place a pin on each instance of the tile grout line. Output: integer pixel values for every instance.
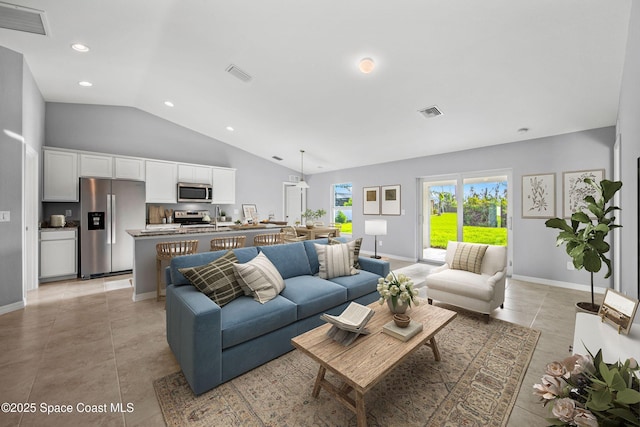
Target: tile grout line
(115, 360)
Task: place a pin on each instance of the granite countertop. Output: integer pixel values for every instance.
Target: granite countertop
(196, 230)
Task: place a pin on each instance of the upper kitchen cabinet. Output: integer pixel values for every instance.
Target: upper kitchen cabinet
(60, 176)
(161, 181)
(194, 174)
(96, 166)
(129, 168)
(224, 186)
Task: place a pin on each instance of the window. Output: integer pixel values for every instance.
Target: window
(341, 206)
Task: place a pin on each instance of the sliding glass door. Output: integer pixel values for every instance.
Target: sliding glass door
(470, 208)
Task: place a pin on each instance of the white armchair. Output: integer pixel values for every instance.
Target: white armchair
(482, 292)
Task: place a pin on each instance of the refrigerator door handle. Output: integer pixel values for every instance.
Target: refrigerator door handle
(114, 217)
(107, 219)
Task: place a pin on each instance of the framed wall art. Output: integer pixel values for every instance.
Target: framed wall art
(539, 196)
(371, 200)
(574, 189)
(249, 211)
(390, 204)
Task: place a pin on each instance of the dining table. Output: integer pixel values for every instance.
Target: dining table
(317, 231)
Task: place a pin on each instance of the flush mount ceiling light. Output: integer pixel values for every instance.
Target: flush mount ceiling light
(302, 183)
(85, 83)
(79, 47)
(168, 103)
(366, 65)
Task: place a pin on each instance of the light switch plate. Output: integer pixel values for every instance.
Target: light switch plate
(5, 216)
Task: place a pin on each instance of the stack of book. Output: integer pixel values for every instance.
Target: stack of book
(350, 324)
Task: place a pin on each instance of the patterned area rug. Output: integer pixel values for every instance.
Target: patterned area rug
(475, 384)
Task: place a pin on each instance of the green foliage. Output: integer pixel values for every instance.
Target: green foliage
(341, 218)
(312, 215)
(444, 228)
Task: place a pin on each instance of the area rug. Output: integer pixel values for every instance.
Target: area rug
(475, 384)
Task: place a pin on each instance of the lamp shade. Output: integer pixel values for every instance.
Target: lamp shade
(375, 227)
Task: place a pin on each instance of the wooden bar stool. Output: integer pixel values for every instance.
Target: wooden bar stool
(168, 250)
(268, 239)
(226, 243)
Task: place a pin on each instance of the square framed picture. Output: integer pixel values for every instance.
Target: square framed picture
(574, 189)
(390, 200)
(371, 200)
(539, 196)
(249, 211)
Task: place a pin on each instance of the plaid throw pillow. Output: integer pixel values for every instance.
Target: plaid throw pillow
(216, 279)
(468, 257)
(356, 249)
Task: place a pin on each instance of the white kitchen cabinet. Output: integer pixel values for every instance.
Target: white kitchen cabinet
(224, 186)
(194, 174)
(161, 181)
(129, 168)
(60, 176)
(96, 166)
(58, 253)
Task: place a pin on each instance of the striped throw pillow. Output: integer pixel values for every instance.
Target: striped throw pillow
(259, 278)
(216, 280)
(356, 250)
(468, 257)
(336, 260)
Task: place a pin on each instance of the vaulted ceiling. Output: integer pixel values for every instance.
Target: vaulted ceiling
(492, 68)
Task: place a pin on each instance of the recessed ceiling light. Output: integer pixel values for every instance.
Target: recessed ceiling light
(523, 130)
(230, 129)
(85, 83)
(366, 65)
(79, 47)
(168, 103)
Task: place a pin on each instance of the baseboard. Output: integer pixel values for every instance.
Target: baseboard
(400, 258)
(560, 284)
(12, 307)
(142, 297)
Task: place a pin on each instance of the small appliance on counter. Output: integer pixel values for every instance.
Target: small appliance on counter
(57, 221)
(193, 218)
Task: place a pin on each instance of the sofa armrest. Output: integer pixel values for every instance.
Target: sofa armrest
(194, 335)
(373, 265)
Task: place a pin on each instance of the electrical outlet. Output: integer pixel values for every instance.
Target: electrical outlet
(570, 265)
(5, 216)
(379, 242)
(67, 212)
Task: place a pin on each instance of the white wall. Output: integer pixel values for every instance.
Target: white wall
(534, 251)
(629, 130)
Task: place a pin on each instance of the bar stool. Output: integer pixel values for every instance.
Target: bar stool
(268, 239)
(168, 250)
(229, 242)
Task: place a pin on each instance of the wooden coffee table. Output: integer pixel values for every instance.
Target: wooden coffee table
(370, 358)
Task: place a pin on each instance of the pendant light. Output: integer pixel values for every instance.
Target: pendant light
(302, 183)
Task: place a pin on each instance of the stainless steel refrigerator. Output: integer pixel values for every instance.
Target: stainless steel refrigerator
(109, 208)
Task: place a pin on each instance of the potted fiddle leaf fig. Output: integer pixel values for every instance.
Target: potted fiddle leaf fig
(584, 235)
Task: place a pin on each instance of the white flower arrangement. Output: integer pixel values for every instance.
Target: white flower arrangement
(397, 288)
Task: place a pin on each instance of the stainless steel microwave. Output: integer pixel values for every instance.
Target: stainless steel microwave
(198, 193)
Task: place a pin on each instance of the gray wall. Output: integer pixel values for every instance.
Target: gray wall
(132, 132)
(629, 130)
(534, 251)
(21, 106)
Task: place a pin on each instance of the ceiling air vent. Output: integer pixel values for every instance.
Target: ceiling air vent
(237, 72)
(18, 18)
(430, 112)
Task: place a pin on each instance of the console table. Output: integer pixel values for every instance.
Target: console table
(592, 334)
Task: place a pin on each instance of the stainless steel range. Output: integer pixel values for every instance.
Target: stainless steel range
(193, 218)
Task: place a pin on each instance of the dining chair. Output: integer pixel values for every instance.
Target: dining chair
(228, 242)
(268, 239)
(291, 235)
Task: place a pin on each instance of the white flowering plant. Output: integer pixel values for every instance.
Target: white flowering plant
(398, 289)
(584, 391)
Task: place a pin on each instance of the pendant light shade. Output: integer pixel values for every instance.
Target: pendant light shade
(302, 183)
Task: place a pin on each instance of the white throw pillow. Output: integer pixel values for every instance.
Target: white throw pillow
(336, 260)
(259, 278)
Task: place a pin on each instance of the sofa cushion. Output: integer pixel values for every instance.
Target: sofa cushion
(459, 282)
(194, 260)
(313, 295)
(244, 319)
(336, 260)
(259, 278)
(290, 259)
(309, 247)
(468, 257)
(356, 249)
(216, 280)
(358, 285)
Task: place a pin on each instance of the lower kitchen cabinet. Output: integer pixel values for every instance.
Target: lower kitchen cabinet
(58, 254)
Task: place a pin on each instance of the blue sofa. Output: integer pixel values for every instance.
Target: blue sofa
(214, 344)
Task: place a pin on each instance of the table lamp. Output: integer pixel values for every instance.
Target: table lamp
(375, 227)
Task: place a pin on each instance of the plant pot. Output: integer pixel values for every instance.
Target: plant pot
(586, 307)
(309, 226)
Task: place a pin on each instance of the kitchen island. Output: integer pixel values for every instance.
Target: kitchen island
(144, 251)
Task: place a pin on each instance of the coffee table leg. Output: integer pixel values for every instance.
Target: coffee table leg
(434, 346)
(319, 378)
(361, 413)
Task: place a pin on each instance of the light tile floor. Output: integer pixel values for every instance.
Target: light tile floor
(87, 342)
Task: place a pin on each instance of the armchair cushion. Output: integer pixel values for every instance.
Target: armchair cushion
(468, 257)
